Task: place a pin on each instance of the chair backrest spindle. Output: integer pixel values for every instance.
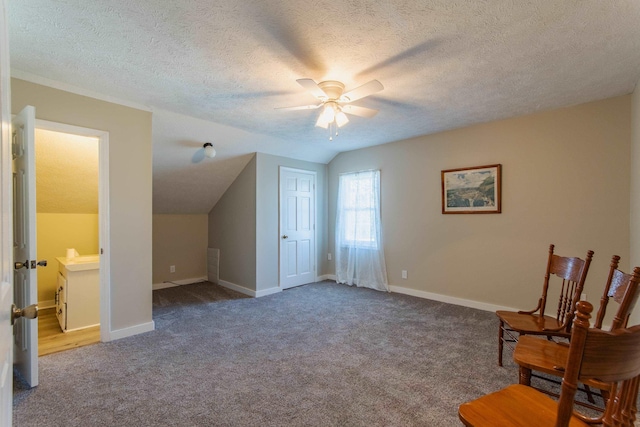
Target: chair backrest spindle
(545, 287)
(604, 300)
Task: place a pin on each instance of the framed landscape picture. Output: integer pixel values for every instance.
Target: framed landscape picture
(471, 190)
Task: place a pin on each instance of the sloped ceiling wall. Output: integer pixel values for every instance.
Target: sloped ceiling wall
(66, 173)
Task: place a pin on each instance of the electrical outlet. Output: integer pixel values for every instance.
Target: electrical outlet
(404, 274)
(172, 269)
(583, 297)
(329, 256)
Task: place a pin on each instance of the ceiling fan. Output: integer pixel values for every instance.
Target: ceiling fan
(335, 103)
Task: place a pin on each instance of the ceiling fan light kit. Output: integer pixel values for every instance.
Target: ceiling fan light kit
(209, 151)
(335, 103)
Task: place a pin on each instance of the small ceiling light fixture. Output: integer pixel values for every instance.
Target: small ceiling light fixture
(209, 151)
(332, 118)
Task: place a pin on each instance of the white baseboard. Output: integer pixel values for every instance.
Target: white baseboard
(130, 331)
(42, 305)
(174, 283)
(237, 288)
(250, 292)
(79, 329)
(450, 300)
(437, 297)
(269, 291)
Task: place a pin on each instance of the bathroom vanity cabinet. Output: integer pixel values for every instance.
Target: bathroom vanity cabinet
(78, 293)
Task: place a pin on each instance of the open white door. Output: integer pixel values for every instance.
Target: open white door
(297, 227)
(25, 280)
(6, 242)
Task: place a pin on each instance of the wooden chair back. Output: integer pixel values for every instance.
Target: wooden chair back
(573, 272)
(623, 288)
(610, 356)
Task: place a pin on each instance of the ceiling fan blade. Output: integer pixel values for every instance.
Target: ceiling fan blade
(300, 107)
(359, 111)
(313, 88)
(361, 91)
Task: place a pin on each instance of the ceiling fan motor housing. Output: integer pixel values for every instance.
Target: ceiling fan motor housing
(332, 88)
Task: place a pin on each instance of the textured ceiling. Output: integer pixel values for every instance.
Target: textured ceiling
(66, 173)
(444, 64)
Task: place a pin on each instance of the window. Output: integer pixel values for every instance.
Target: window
(359, 247)
(358, 207)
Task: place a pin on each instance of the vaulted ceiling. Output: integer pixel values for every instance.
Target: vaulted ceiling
(216, 71)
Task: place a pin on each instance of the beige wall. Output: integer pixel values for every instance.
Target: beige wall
(56, 233)
(565, 181)
(232, 229)
(267, 238)
(244, 224)
(129, 186)
(179, 240)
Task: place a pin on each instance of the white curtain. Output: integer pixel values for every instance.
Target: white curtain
(359, 248)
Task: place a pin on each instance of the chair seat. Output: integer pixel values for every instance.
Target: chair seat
(531, 323)
(513, 406)
(544, 356)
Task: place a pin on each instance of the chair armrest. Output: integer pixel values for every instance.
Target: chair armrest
(534, 310)
(558, 329)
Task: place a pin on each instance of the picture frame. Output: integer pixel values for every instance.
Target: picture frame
(475, 190)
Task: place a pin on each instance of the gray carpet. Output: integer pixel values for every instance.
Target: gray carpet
(317, 355)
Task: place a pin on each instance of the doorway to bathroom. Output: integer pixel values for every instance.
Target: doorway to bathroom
(69, 230)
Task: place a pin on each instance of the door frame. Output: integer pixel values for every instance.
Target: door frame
(6, 223)
(6, 176)
(282, 169)
(103, 214)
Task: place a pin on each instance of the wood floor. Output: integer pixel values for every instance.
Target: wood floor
(51, 339)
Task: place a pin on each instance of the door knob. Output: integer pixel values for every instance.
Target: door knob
(18, 265)
(285, 236)
(42, 263)
(30, 312)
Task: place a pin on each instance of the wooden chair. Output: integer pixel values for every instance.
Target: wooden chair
(533, 354)
(593, 353)
(571, 274)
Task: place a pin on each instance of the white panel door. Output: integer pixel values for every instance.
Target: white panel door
(25, 280)
(297, 227)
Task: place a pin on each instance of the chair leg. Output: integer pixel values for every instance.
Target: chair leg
(634, 399)
(525, 376)
(590, 398)
(500, 342)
